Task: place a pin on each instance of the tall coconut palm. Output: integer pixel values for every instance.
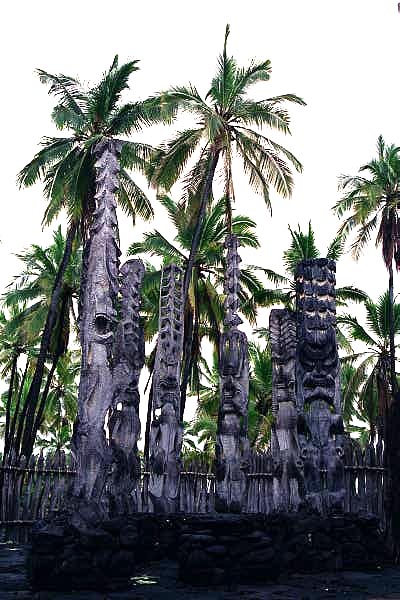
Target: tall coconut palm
(204, 312)
(373, 202)
(30, 294)
(32, 287)
(228, 123)
(66, 166)
(15, 344)
(59, 398)
(56, 423)
(368, 380)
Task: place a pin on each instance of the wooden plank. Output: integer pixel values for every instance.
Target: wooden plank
(370, 479)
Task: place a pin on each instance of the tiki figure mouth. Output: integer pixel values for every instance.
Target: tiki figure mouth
(103, 324)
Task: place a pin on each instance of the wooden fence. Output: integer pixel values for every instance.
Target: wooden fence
(30, 492)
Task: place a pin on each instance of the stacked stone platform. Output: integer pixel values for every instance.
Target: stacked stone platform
(210, 550)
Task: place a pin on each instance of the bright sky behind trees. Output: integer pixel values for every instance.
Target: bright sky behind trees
(342, 57)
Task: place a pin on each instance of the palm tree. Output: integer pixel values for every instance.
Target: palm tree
(14, 344)
(66, 167)
(60, 402)
(204, 312)
(55, 428)
(35, 282)
(225, 121)
(373, 203)
(360, 402)
(28, 297)
(303, 246)
(367, 373)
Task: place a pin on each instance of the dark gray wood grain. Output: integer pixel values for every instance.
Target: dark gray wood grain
(318, 389)
(288, 482)
(98, 321)
(232, 446)
(166, 428)
(124, 422)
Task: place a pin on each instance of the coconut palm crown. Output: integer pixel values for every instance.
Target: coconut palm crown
(373, 203)
(227, 125)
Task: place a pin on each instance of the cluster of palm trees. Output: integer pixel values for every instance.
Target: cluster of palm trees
(39, 322)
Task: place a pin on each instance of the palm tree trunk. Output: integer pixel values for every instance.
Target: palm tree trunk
(18, 404)
(34, 389)
(393, 379)
(187, 352)
(228, 214)
(8, 406)
(59, 350)
(207, 189)
(39, 416)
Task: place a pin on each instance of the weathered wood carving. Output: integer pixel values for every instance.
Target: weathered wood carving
(98, 321)
(166, 428)
(288, 481)
(124, 422)
(232, 441)
(318, 389)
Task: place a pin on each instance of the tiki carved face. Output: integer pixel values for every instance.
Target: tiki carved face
(317, 349)
(233, 397)
(285, 385)
(233, 353)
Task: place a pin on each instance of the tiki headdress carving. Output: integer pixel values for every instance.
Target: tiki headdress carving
(232, 443)
(318, 390)
(98, 320)
(288, 468)
(166, 428)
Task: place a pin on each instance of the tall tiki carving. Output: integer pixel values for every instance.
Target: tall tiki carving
(232, 440)
(98, 319)
(288, 480)
(318, 388)
(166, 428)
(124, 422)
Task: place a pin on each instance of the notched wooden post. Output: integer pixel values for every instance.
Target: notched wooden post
(166, 429)
(288, 475)
(232, 448)
(124, 422)
(98, 321)
(318, 385)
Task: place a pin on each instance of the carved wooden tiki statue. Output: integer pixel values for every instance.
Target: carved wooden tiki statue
(318, 386)
(98, 320)
(288, 481)
(166, 428)
(232, 441)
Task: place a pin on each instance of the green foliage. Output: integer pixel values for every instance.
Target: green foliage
(204, 425)
(66, 165)
(366, 375)
(302, 247)
(373, 203)
(30, 291)
(224, 120)
(206, 290)
(61, 404)
(26, 304)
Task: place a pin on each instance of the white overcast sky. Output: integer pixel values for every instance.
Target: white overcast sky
(342, 57)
